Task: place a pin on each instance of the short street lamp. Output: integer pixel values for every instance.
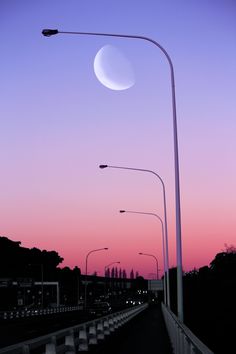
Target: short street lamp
(165, 254)
(107, 266)
(151, 255)
(165, 213)
(86, 273)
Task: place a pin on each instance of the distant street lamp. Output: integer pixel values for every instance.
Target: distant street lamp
(107, 266)
(86, 273)
(151, 255)
(165, 253)
(165, 213)
(51, 32)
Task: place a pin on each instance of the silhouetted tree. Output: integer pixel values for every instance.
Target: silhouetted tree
(116, 273)
(131, 274)
(112, 272)
(209, 301)
(17, 261)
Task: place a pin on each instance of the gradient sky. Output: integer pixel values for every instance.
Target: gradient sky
(58, 123)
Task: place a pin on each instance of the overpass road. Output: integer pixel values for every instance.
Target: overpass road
(146, 333)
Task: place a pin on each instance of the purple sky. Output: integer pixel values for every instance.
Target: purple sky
(58, 123)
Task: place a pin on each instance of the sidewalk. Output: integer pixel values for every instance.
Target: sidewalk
(145, 333)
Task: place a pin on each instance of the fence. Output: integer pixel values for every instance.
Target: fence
(182, 339)
(10, 315)
(76, 338)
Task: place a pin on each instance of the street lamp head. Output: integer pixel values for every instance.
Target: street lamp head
(122, 211)
(105, 248)
(49, 32)
(140, 253)
(103, 166)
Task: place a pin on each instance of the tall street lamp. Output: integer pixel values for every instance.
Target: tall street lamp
(86, 273)
(151, 255)
(165, 211)
(164, 250)
(51, 32)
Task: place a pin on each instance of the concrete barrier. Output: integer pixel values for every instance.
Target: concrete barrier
(77, 338)
(100, 331)
(106, 327)
(83, 340)
(70, 344)
(93, 334)
(50, 348)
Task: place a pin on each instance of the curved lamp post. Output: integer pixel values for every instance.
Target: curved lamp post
(86, 273)
(151, 255)
(164, 250)
(107, 266)
(51, 32)
(165, 213)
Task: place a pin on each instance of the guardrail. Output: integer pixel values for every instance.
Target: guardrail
(76, 338)
(10, 315)
(183, 341)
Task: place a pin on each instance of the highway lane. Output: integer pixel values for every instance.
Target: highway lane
(20, 330)
(145, 333)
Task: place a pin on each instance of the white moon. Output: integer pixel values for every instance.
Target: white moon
(113, 69)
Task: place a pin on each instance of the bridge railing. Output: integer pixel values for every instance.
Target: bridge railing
(182, 339)
(10, 315)
(76, 338)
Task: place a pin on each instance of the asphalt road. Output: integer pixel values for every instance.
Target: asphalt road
(145, 333)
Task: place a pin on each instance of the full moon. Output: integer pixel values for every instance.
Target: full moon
(113, 69)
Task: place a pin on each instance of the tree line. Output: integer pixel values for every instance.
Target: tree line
(209, 301)
(209, 292)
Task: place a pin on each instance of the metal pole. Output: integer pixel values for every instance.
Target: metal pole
(86, 273)
(163, 248)
(107, 266)
(50, 32)
(165, 218)
(151, 255)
